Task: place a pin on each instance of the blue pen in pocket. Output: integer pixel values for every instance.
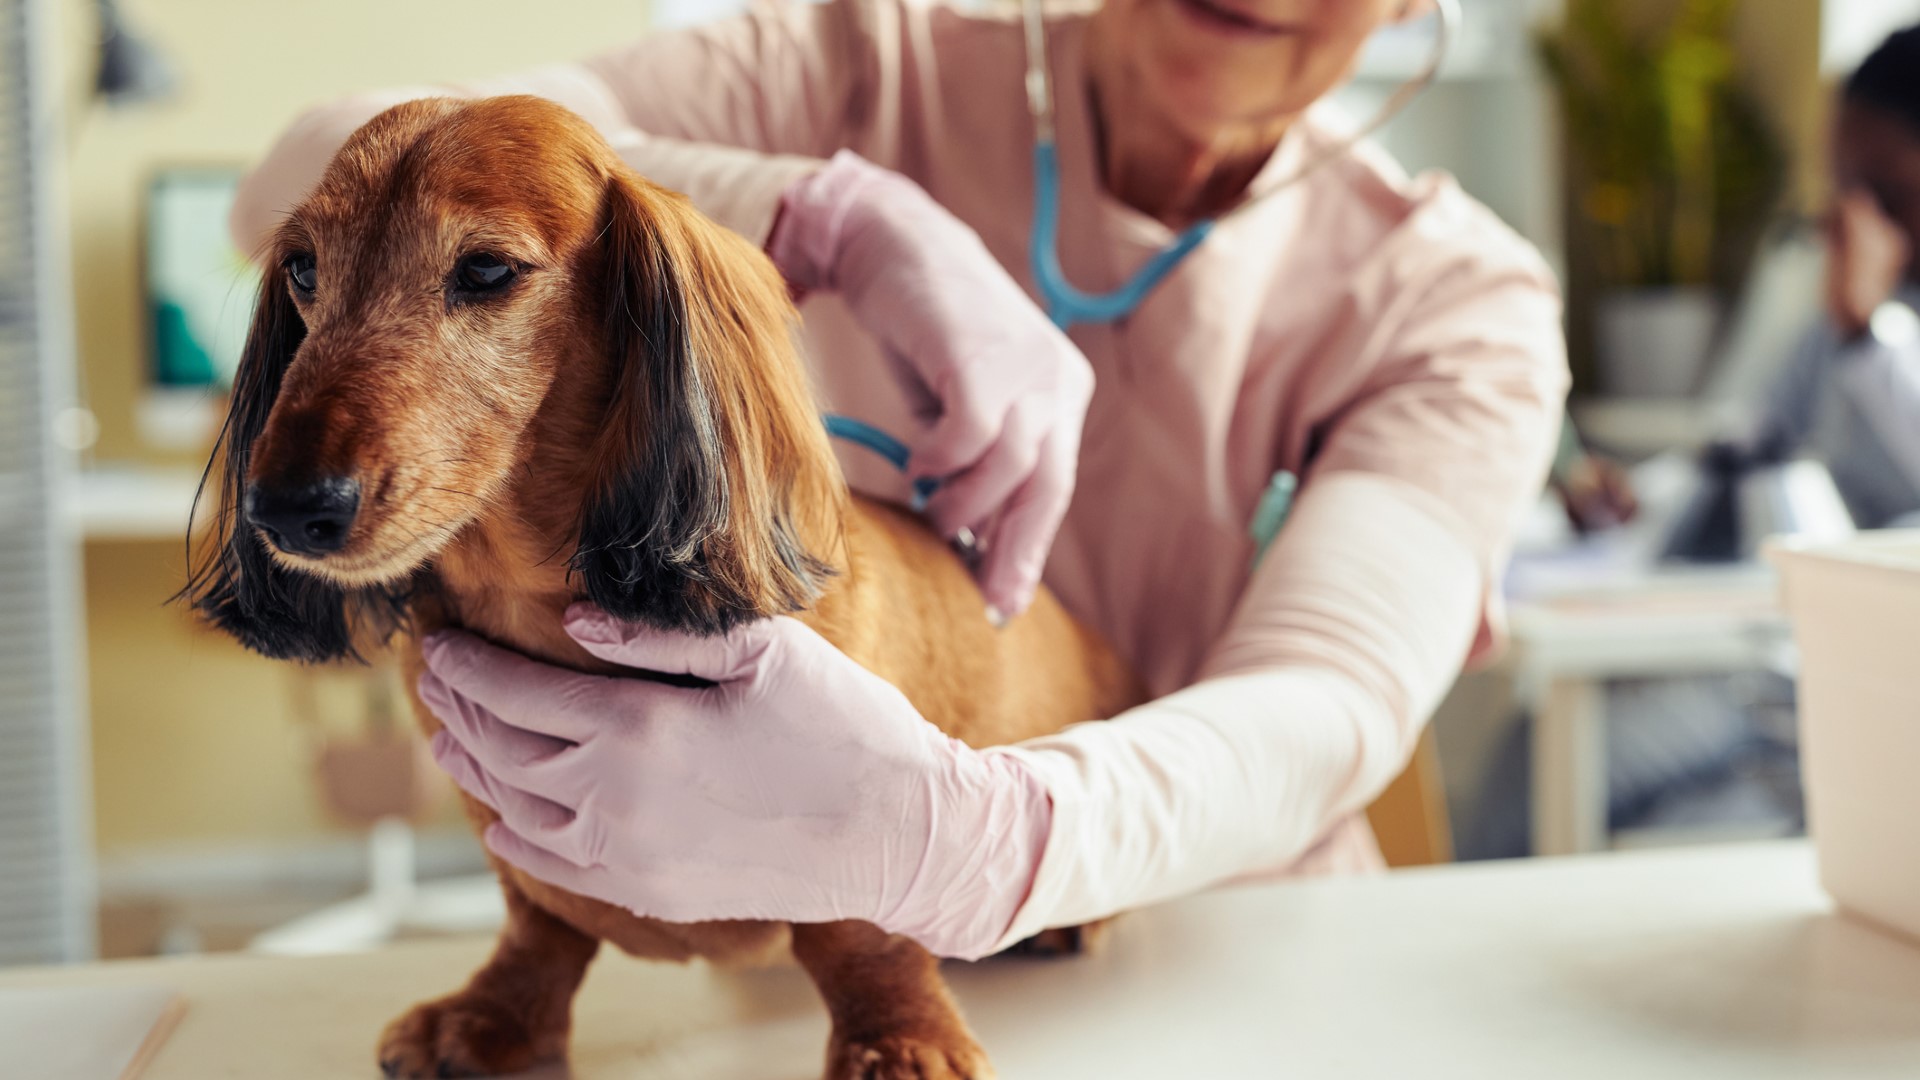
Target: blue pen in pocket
(1276, 503)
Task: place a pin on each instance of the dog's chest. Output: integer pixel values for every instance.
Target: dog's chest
(509, 598)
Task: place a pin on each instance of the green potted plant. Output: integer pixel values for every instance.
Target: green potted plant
(1673, 175)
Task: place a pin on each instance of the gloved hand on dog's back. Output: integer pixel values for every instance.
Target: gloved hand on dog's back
(799, 788)
(1013, 391)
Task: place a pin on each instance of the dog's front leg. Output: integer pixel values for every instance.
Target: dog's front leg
(892, 1016)
(514, 1013)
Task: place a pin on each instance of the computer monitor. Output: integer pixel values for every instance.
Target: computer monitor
(200, 289)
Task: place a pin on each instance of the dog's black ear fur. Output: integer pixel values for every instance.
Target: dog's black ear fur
(714, 475)
(235, 584)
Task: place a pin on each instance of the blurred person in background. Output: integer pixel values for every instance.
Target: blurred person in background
(1381, 339)
(1850, 393)
(1713, 751)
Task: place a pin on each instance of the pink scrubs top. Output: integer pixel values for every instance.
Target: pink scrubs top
(1386, 338)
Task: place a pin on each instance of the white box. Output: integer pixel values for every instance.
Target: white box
(1855, 606)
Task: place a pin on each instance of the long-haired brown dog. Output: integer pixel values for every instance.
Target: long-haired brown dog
(493, 372)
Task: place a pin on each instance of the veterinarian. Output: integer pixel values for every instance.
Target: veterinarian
(1249, 303)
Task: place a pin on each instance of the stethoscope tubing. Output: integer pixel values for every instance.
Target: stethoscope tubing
(1068, 306)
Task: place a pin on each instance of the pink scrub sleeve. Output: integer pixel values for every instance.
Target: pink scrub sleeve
(1352, 628)
(730, 114)
(1467, 405)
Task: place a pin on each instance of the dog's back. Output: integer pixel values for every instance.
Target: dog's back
(909, 611)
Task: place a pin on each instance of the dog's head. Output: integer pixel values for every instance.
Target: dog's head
(479, 315)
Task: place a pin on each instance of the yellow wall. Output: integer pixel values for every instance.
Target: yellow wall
(192, 741)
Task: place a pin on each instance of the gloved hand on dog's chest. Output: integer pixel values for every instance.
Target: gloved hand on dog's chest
(1013, 390)
(799, 788)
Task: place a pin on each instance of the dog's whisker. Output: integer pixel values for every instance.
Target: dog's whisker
(554, 554)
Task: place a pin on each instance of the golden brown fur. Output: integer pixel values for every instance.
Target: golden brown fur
(629, 423)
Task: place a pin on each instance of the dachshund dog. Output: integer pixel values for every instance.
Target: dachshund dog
(492, 372)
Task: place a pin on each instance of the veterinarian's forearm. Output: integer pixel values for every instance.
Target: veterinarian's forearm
(281, 180)
(1355, 626)
(739, 188)
(737, 184)
(730, 113)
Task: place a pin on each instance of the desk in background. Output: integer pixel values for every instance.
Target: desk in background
(132, 502)
(1699, 964)
(1568, 643)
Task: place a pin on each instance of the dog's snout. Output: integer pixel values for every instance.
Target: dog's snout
(310, 519)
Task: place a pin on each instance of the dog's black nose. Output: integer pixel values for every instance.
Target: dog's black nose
(309, 520)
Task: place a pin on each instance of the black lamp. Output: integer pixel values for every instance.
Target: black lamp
(132, 71)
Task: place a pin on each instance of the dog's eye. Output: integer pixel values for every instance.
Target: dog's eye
(482, 273)
(301, 271)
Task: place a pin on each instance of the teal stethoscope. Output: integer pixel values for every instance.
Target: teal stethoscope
(1068, 306)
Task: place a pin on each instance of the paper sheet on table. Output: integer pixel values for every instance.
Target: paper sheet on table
(84, 1032)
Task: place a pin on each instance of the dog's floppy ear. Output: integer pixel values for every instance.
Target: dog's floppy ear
(716, 498)
(235, 584)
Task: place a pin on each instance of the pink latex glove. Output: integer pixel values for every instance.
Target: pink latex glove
(801, 788)
(1012, 390)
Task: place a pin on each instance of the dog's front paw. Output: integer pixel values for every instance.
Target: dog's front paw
(909, 1057)
(462, 1035)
